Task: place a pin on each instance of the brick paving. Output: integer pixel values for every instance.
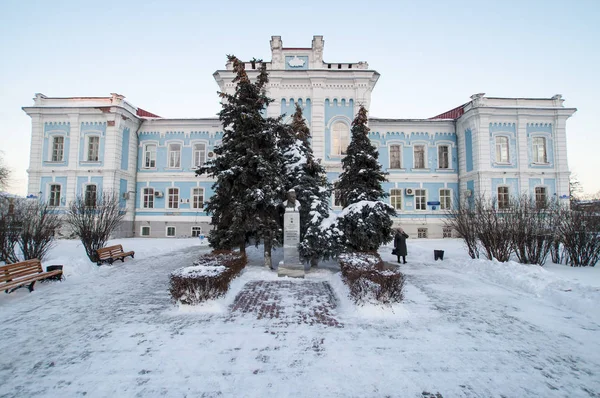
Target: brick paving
(287, 302)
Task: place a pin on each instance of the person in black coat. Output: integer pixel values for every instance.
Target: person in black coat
(400, 244)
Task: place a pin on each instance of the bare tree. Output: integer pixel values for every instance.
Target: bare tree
(38, 225)
(579, 232)
(494, 229)
(93, 221)
(4, 174)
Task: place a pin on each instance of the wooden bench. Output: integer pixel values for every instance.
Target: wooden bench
(111, 253)
(22, 274)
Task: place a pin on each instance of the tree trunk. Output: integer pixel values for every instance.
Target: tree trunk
(243, 248)
(268, 245)
(314, 262)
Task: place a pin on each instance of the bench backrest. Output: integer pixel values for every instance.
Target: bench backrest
(21, 269)
(109, 251)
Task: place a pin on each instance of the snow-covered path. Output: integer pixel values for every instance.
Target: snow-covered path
(114, 333)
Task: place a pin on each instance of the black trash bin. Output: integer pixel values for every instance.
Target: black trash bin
(58, 277)
(438, 255)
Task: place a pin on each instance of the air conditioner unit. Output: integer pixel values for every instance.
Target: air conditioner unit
(125, 195)
(468, 193)
(158, 194)
(409, 191)
(210, 154)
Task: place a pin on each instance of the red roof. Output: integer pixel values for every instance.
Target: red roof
(452, 113)
(143, 113)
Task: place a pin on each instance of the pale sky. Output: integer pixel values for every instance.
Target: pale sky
(432, 56)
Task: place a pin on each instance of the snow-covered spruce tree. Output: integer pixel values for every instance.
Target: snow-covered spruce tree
(249, 184)
(365, 220)
(305, 174)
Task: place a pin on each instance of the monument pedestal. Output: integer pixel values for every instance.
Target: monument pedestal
(291, 266)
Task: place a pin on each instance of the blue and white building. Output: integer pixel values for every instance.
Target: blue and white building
(498, 147)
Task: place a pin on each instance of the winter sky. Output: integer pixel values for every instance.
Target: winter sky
(432, 56)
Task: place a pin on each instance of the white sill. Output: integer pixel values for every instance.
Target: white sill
(54, 161)
(446, 170)
(419, 169)
(90, 161)
(148, 168)
(540, 164)
(400, 169)
(503, 163)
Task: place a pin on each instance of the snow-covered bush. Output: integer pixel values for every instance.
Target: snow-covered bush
(369, 280)
(366, 225)
(207, 279)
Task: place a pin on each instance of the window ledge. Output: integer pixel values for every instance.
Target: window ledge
(92, 162)
(419, 169)
(54, 161)
(396, 169)
(541, 164)
(502, 164)
(445, 170)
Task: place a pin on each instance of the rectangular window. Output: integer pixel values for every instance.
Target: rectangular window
(422, 233)
(445, 201)
(170, 231)
(90, 195)
(150, 156)
(58, 145)
(446, 232)
(419, 152)
(199, 154)
(196, 232)
(340, 138)
(420, 199)
(173, 202)
(148, 198)
(93, 148)
(145, 231)
(395, 157)
(197, 198)
(396, 198)
(502, 149)
(174, 156)
(503, 200)
(54, 199)
(540, 197)
(539, 150)
(443, 157)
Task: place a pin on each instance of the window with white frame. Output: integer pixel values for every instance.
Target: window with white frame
(58, 148)
(396, 198)
(340, 138)
(170, 231)
(446, 232)
(54, 199)
(502, 149)
(395, 157)
(199, 154)
(539, 150)
(197, 198)
(196, 232)
(419, 156)
(503, 198)
(422, 233)
(540, 197)
(148, 198)
(443, 157)
(93, 148)
(174, 155)
(90, 195)
(149, 156)
(173, 198)
(420, 199)
(337, 198)
(445, 200)
(145, 230)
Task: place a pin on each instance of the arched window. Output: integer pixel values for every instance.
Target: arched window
(340, 138)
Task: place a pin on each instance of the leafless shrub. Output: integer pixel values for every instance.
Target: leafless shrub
(462, 220)
(532, 225)
(93, 221)
(207, 279)
(579, 233)
(370, 280)
(9, 230)
(38, 226)
(494, 230)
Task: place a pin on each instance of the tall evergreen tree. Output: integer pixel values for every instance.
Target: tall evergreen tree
(366, 220)
(249, 185)
(308, 178)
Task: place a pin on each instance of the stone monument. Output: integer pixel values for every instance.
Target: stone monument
(291, 266)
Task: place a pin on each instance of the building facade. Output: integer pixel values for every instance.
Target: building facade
(499, 147)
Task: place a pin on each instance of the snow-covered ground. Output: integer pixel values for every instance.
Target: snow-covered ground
(467, 328)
